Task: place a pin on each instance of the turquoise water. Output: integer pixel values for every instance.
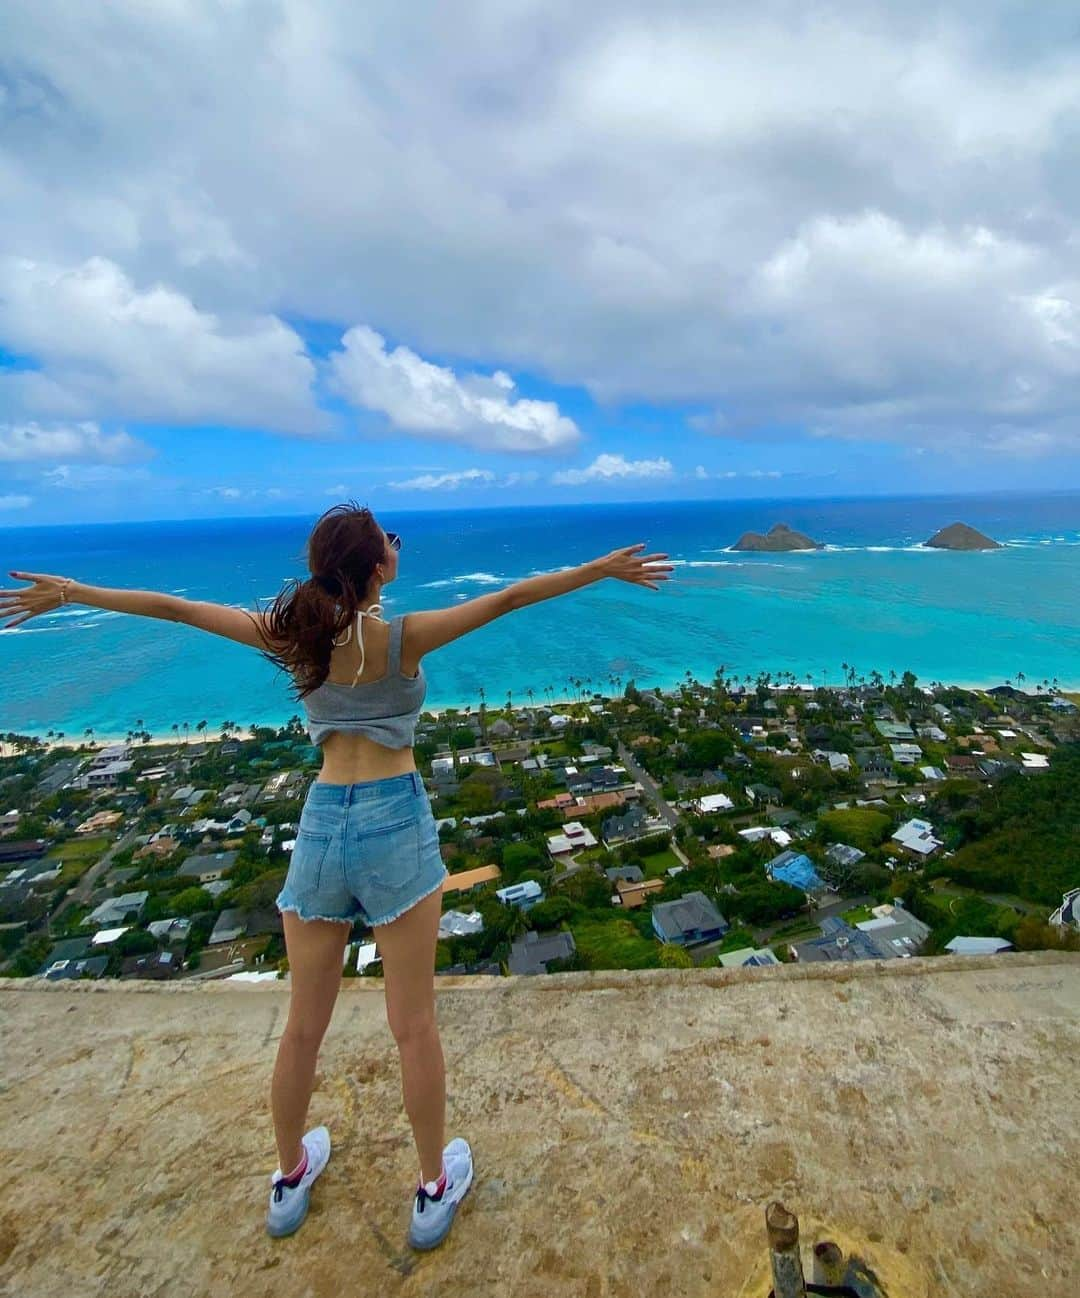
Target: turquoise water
(873, 598)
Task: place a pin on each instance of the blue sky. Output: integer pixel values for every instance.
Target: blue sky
(536, 254)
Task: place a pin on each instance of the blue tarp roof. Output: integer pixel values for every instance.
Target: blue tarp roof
(797, 869)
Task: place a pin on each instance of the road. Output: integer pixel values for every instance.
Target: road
(80, 894)
(649, 786)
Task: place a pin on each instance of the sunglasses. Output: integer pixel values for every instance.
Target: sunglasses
(394, 539)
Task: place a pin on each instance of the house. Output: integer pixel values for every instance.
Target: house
(524, 895)
(115, 910)
(104, 776)
(894, 730)
(91, 967)
(531, 953)
(762, 793)
(795, 868)
(107, 936)
(978, 945)
(747, 957)
(917, 836)
(170, 930)
(843, 855)
(755, 834)
(960, 764)
(207, 868)
(618, 828)
(895, 930)
(98, 821)
(155, 966)
(1035, 761)
(710, 802)
(931, 773)
(471, 880)
(905, 754)
(230, 925)
(574, 838)
(628, 873)
(456, 923)
(873, 764)
(839, 942)
(1067, 914)
(630, 895)
(691, 918)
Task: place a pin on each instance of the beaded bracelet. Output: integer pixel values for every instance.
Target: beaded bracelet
(64, 588)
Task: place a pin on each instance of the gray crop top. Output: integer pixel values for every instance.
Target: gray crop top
(385, 709)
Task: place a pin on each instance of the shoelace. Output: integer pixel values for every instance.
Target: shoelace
(423, 1197)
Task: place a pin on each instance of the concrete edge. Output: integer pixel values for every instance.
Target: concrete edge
(587, 981)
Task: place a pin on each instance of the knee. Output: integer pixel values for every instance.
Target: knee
(304, 1036)
(411, 1027)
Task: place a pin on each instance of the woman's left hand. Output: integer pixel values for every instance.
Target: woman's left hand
(41, 597)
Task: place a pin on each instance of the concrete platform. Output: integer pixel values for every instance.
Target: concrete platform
(629, 1131)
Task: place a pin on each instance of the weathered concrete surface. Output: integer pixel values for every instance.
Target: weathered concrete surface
(629, 1131)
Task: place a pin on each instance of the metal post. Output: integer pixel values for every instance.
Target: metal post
(783, 1230)
(829, 1263)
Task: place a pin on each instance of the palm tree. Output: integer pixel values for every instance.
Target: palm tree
(201, 727)
(186, 730)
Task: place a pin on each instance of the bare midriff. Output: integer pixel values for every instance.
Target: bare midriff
(350, 758)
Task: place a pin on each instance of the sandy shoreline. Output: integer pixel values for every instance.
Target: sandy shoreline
(169, 739)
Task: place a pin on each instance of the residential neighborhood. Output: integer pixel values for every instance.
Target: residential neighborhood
(736, 824)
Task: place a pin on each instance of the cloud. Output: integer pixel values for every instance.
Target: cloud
(85, 441)
(445, 481)
(866, 221)
(109, 349)
(83, 477)
(613, 468)
(474, 410)
(247, 493)
(15, 502)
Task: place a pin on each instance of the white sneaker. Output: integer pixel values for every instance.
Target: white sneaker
(432, 1218)
(289, 1204)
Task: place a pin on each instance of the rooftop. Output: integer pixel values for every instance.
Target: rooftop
(629, 1130)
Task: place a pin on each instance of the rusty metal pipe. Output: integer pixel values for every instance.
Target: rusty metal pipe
(783, 1231)
(829, 1263)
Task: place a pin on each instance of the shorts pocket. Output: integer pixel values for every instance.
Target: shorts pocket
(393, 855)
(306, 865)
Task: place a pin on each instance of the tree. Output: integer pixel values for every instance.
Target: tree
(674, 957)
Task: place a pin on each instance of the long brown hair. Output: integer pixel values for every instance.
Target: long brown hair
(305, 619)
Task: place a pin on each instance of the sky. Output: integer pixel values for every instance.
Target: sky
(256, 257)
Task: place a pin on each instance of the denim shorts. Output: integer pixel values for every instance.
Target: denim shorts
(367, 851)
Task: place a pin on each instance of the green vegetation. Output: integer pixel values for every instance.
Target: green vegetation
(614, 944)
(1022, 834)
(860, 827)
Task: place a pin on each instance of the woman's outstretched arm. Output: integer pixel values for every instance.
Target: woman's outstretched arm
(49, 592)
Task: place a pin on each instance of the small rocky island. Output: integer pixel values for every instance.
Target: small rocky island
(958, 536)
(778, 538)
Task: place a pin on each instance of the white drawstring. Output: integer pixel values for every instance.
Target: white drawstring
(361, 612)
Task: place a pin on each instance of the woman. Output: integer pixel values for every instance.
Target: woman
(366, 846)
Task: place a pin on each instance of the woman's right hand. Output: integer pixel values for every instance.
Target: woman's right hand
(638, 569)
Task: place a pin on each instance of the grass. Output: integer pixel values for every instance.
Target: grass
(658, 864)
(78, 855)
(856, 915)
(614, 944)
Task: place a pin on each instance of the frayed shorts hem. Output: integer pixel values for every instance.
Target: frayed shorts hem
(294, 908)
(327, 919)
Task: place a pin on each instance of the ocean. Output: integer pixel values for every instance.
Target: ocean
(874, 598)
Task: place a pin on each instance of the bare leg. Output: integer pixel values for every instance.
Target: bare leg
(407, 947)
(316, 949)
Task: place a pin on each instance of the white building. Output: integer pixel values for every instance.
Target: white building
(524, 895)
(917, 836)
(713, 802)
(574, 838)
